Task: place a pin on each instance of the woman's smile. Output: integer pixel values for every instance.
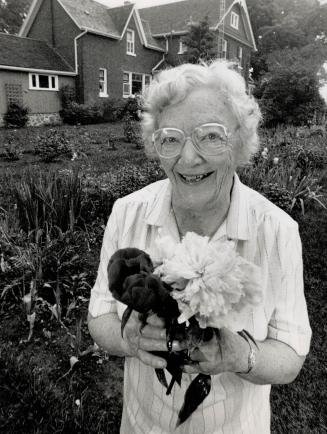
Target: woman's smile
(194, 179)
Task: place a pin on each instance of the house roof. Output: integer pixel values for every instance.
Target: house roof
(30, 54)
(175, 17)
(88, 14)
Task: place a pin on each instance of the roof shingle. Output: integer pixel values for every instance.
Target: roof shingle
(31, 54)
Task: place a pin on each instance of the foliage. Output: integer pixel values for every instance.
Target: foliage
(12, 152)
(113, 109)
(48, 199)
(67, 95)
(16, 116)
(289, 97)
(132, 108)
(12, 14)
(81, 114)
(52, 145)
(200, 41)
(131, 132)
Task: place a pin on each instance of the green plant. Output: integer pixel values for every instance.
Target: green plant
(131, 132)
(113, 109)
(75, 114)
(16, 116)
(67, 95)
(132, 108)
(52, 145)
(48, 199)
(278, 195)
(12, 152)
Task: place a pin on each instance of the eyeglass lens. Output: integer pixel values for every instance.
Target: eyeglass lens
(208, 139)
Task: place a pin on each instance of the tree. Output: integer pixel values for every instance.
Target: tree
(201, 42)
(12, 14)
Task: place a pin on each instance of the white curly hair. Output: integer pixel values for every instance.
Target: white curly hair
(171, 86)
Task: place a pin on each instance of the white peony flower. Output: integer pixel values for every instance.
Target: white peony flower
(211, 281)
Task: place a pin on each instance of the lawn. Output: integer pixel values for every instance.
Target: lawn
(52, 214)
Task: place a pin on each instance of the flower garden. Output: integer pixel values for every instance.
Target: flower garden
(57, 188)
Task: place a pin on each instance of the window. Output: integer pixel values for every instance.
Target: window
(239, 54)
(43, 82)
(103, 88)
(130, 38)
(134, 83)
(222, 48)
(182, 47)
(234, 18)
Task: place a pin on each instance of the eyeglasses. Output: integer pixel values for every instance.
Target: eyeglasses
(208, 139)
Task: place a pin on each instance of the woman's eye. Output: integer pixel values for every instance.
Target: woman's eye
(169, 140)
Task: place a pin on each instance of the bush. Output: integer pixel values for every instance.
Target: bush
(278, 195)
(76, 114)
(67, 95)
(16, 116)
(52, 145)
(132, 108)
(113, 110)
(12, 152)
(131, 133)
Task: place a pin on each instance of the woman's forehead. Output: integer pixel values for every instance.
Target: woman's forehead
(200, 106)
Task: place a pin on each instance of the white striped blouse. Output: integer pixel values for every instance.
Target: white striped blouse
(263, 234)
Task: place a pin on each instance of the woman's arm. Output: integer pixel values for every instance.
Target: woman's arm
(276, 362)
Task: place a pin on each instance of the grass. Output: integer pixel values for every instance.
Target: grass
(39, 391)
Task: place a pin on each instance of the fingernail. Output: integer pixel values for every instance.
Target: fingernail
(176, 346)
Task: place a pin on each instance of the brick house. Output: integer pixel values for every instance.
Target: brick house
(115, 52)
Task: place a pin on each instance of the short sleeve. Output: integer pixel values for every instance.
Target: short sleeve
(290, 322)
(102, 301)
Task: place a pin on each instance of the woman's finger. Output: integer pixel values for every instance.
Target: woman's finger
(153, 332)
(155, 321)
(151, 360)
(152, 344)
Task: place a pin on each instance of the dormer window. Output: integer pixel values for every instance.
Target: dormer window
(182, 48)
(130, 41)
(234, 20)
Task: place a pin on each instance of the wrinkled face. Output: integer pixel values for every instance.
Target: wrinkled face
(200, 182)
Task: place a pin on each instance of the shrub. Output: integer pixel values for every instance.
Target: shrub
(52, 145)
(67, 95)
(12, 152)
(113, 110)
(132, 108)
(75, 114)
(16, 116)
(131, 133)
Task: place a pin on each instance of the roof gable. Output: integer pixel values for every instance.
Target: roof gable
(31, 54)
(175, 17)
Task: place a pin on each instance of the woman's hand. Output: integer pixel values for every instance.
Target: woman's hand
(139, 341)
(229, 354)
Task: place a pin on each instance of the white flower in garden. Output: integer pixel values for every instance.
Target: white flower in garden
(74, 157)
(212, 282)
(275, 161)
(78, 402)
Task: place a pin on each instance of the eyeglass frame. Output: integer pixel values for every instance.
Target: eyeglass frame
(192, 140)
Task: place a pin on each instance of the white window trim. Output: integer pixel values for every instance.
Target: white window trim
(129, 83)
(234, 20)
(182, 48)
(37, 87)
(130, 45)
(104, 94)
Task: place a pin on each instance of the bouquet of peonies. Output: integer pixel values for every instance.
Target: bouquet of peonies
(197, 287)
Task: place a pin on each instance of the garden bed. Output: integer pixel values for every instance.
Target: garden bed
(50, 240)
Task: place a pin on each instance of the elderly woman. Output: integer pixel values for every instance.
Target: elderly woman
(202, 125)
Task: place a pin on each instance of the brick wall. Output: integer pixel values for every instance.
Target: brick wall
(100, 52)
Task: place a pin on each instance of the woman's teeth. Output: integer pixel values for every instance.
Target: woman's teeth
(191, 179)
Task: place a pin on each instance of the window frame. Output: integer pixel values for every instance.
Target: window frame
(50, 77)
(240, 54)
(103, 94)
(234, 20)
(182, 48)
(129, 83)
(130, 44)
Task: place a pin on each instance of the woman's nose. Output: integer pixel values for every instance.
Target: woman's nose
(189, 155)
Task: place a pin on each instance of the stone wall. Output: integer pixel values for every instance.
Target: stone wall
(39, 119)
